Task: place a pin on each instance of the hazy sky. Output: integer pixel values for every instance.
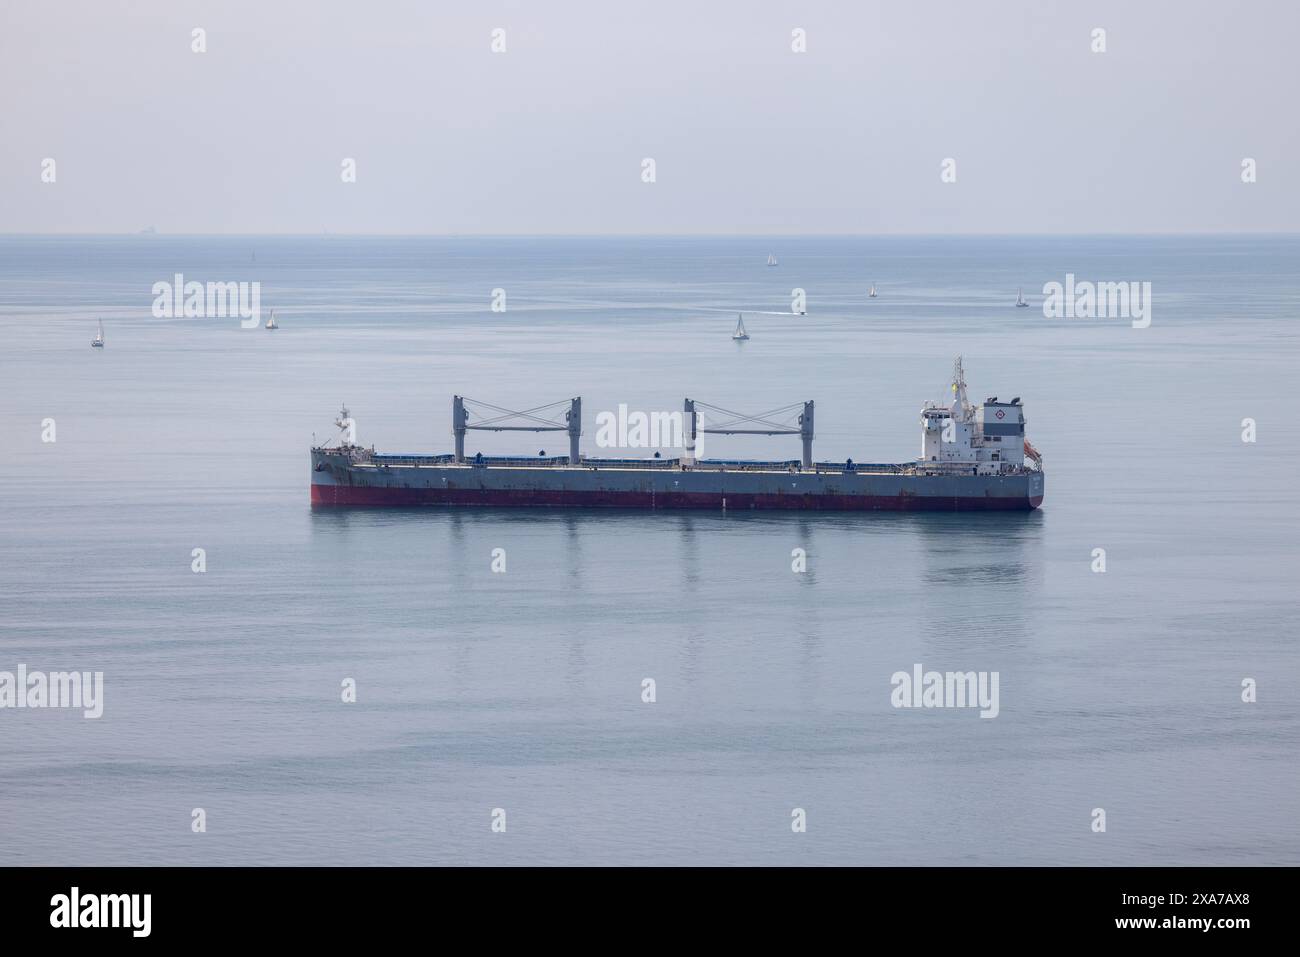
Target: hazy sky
(747, 136)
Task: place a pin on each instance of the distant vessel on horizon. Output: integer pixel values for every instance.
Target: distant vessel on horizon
(872, 294)
(98, 341)
(1020, 299)
(771, 259)
(271, 323)
(740, 332)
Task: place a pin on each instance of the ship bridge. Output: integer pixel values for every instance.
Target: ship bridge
(986, 439)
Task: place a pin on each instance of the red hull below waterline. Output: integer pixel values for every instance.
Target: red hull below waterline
(361, 496)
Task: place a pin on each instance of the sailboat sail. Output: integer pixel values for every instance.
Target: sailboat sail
(740, 332)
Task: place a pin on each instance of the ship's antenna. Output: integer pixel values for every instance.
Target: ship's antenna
(344, 424)
(959, 387)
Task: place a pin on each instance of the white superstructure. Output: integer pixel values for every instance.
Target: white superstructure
(984, 440)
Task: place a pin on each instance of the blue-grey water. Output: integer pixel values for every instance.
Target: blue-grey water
(523, 691)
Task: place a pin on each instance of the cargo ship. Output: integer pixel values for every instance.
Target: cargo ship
(972, 458)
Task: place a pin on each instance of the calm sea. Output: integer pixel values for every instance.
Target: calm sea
(523, 691)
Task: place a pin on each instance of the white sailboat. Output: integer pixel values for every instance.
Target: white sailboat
(740, 332)
(1020, 299)
(98, 341)
(872, 294)
(771, 259)
(271, 323)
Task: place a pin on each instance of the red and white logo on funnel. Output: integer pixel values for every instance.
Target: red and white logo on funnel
(1000, 414)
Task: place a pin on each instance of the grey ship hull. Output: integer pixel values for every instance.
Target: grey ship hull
(356, 477)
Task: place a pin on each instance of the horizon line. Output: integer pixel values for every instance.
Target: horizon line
(648, 235)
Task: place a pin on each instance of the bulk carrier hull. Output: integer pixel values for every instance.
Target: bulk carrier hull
(972, 459)
(361, 478)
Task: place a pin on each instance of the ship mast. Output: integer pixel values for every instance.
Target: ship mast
(344, 424)
(960, 405)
